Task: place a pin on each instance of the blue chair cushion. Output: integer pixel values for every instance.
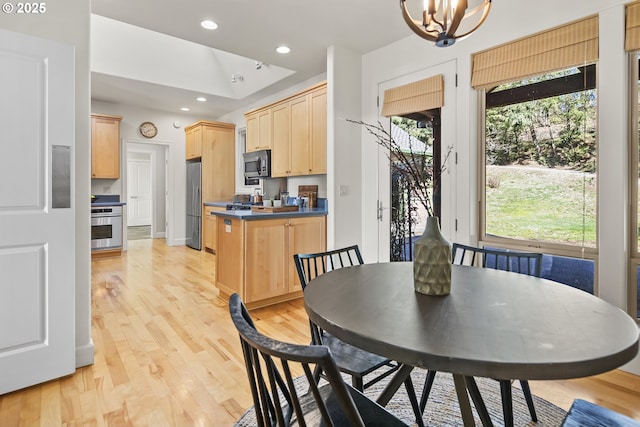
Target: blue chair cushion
(587, 414)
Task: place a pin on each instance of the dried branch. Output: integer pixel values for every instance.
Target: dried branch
(414, 165)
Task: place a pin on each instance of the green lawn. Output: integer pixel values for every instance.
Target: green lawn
(542, 204)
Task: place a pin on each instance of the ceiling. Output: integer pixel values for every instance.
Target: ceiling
(247, 28)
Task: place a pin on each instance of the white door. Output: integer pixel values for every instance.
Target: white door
(37, 235)
(448, 132)
(139, 190)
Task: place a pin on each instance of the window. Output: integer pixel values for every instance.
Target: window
(632, 45)
(634, 92)
(538, 154)
(540, 159)
(540, 170)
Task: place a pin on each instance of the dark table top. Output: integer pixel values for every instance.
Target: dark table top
(493, 324)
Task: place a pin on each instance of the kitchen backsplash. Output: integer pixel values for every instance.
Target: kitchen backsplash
(106, 186)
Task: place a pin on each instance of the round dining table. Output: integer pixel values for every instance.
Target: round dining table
(494, 324)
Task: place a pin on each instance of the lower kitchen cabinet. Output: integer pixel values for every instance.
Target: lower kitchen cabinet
(230, 259)
(268, 246)
(210, 229)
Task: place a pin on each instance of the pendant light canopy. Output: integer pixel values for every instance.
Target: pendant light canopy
(445, 21)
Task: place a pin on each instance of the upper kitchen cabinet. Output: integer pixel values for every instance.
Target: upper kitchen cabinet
(216, 142)
(193, 141)
(318, 132)
(105, 146)
(298, 138)
(280, 148)
(258, 130)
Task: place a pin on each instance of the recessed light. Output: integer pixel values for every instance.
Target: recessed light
(209, 25)
(201, 99)
(283, 49)
(184, 109)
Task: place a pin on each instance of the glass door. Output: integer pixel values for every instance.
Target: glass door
(400, 214)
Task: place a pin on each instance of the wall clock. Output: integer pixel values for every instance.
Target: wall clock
(148, 129)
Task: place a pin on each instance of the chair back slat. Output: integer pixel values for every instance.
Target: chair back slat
(328, 260)
(529, 263)
(269, 364)
(310, 266)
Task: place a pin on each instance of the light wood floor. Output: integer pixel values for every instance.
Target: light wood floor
(166, 353)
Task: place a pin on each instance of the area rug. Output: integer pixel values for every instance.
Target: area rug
(442, 408)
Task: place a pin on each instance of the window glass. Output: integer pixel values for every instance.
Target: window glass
(540, 159)
(415, 138)
(635, 135)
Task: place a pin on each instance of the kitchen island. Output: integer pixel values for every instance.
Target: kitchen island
(254, 251)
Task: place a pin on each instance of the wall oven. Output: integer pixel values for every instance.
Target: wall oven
(106, 227)
(257, 164)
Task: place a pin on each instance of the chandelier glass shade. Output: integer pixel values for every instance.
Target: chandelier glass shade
(445, 21)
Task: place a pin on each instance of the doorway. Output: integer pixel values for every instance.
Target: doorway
(146, 190)
(139, 195)
(446, 126)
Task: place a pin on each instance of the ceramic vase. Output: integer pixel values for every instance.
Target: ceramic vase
(432, 261)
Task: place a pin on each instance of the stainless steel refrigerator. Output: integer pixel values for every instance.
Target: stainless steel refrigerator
(194, 204)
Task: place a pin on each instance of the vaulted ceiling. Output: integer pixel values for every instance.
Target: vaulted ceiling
(155, 54)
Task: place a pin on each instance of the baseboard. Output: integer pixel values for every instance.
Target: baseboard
(177, 242)
(84, 355)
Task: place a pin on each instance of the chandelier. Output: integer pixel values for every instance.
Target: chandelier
(442, 19)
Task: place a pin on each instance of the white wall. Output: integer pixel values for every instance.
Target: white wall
(54, 25)
(168, 136)
(508, 21)
(344, 178)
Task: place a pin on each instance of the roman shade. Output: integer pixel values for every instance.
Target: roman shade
(414, 97)
(632, 35)
(559, 48)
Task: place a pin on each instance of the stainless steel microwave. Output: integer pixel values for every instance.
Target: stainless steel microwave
(257, 164)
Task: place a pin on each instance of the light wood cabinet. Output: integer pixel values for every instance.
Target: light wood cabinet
(280, 152)
(105, 146)
(299, 143)
(230, 259)
(269, 248)
(269, 272)
(318, 132)
(210, 229)
(193, 142)
(298, 138)
(265, 265)
(217, 152)
(307, 235)
(258, 130)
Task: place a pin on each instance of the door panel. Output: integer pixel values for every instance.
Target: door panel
(139, 191)
(448, 129)
(37, 246)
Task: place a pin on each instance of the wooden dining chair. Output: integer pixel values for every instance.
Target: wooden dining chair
(352, 360)
(276, 399)
(528, 263)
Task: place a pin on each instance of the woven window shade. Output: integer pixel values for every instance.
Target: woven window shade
(414, 97)
(556, 49)
(632, 35)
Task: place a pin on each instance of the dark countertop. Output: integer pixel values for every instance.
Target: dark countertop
(252, 215)
(99, 204)
(321, 210)
(107, 200)
(222, 204)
